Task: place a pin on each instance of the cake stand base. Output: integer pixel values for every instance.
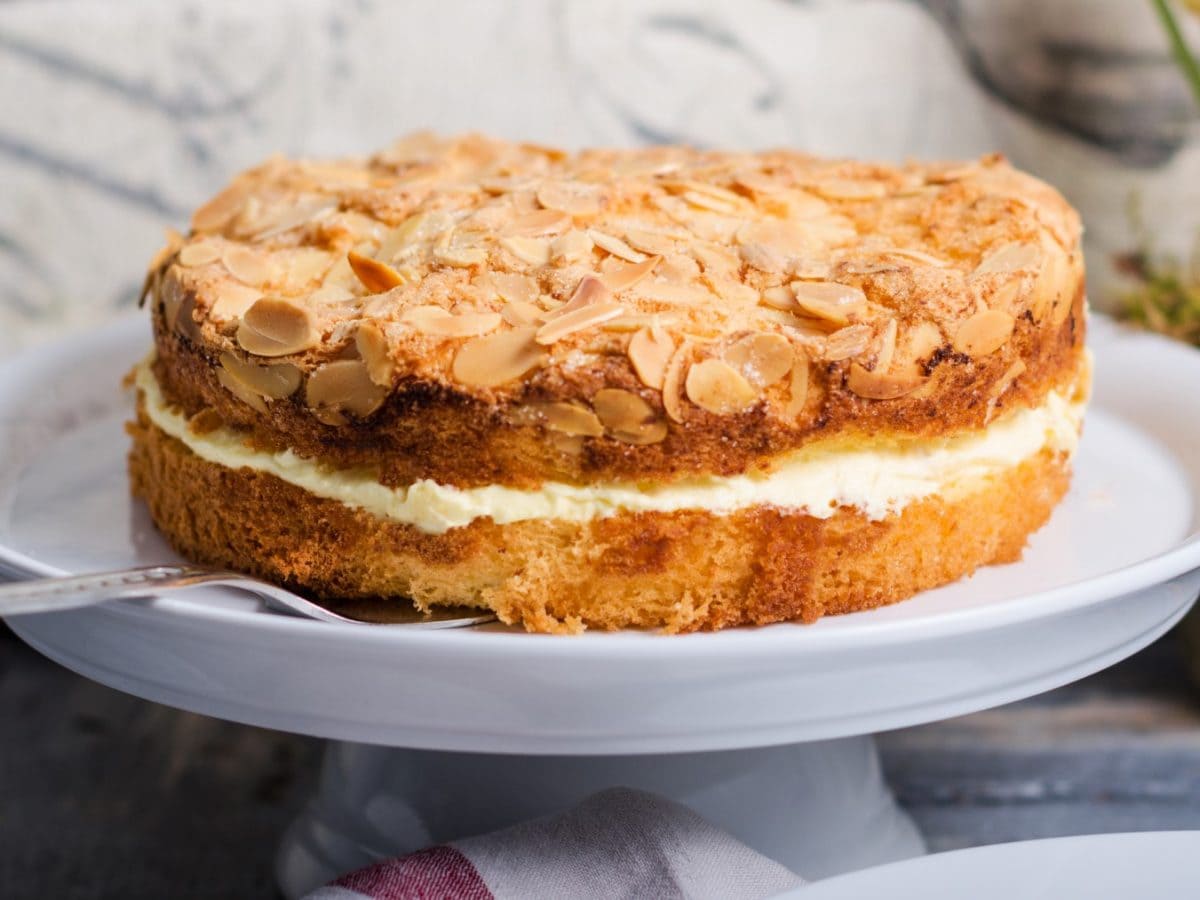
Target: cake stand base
(818, 808)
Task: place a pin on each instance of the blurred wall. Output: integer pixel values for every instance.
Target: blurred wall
(116, 118)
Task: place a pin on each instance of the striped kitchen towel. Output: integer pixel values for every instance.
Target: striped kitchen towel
(618, 843)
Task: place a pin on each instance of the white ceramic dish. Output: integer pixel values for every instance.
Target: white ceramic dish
(1127, 528)
(1154, 864)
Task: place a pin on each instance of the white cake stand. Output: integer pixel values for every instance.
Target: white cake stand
(437, 735)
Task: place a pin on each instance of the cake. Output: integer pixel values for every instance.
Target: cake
(652, 388)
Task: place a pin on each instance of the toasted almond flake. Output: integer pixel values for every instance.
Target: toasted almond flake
(342, 386)
(231, 299)
(758, 182)
(285, 218)
(672, 389)
(708, 202)
(199, 254)
(650, 350)
(799, 326)
(984, 333)
(887, 347)
(497, 358)
(590, 290)
(649, 242)
(571, 247)
(673, 294)
(372, 346)
(217, 212)
(534, 251)
(1011, 374)
(836, 303)
(539, 222)
(458, 255)
(916, 345)
(622, 278)
(717, 387)
(571, 418)
(849, 189)
(277, 326)
(734, 292)
(418, 315)
(578, 320)
(239, 390)
(762, 359)
(513, 287)
(918, 256)
(797, 386)
(571, 197)
(248, 266)
(377, 277)
(763, 257)
(779, 297)
(304, 266)
(847, 342)
(622, 411)
(518, 312)
(1010, 258)
(879, 385)
(615, 246)
(329, 295)
(275, 381)
(462, 325)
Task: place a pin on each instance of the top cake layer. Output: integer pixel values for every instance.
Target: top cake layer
(475, 311)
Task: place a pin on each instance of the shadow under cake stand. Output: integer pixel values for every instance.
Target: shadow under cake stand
(766, 732)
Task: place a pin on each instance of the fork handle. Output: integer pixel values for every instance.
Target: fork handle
(73, 591)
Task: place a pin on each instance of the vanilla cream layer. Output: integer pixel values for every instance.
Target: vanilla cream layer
(878, 481)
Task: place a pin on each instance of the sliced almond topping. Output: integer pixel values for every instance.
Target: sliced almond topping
(464, 325)
(622, 278)
(518, 312)
(458, 255)
(239, 390)
(231, 300)
(580, 319)
(630, 418)
(798, 386)
(849, 189)
(372, 347)
(217, 212)
(716, 386)
(276, 381)
(762, 359)
(276, 326)
(199, 254)
(984, 333)
(879, 385)
(377, 277)
(571, 247)
(571, 197)
(673, 381)
(918, 256)
(1010, 258)
(847, 342)
(615, 246)
(887, 347)
(497, 358)
(540, 222)
(650, 350)
(590, 290)
(534, 251)
(919, 344)
(828, 300)
(779, 297)
(344, 386)
(571, 418)
(649, 242)
(514, 287)
(248, 266)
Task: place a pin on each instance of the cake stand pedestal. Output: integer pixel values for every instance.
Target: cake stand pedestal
(819, 808)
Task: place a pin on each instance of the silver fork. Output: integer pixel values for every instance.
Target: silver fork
(74, 591)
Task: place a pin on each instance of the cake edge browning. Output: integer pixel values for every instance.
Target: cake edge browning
(682, 571)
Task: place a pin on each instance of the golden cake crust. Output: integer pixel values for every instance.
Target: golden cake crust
(473, 311)
(681, 571)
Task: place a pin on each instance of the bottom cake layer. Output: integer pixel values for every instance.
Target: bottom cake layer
(680, 571)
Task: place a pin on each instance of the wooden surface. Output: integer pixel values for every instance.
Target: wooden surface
(104, 795)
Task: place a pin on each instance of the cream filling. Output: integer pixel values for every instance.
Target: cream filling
(878, 481)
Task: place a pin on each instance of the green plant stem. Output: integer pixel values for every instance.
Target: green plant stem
(1187, 62)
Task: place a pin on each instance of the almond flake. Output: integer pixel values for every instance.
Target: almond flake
(277, 326)
(372, 346)
(534, 251)
(275, 381)
(847, 342)
(621, 278)
(984, 333)
(464, 325)
(540, 222)
(344, 385)
(377, 277)
(918, 256)
(828, 300)
(879, 385)
(717, 387)
(887, 347)
(673, 381)
(797, 386)
(248, 266)
(779, 297)
(239, 390)
(232, 299)
(578, 320)
(221, 209)
(1010, 258)
(199, 254)
(571, 197)
(628, 417)
(849, 189)
(460, 255)
(650, 350)
(518, 312)
(762, 359)
(513, 287)
(649, 242)
(589, 290)
(615, 246)
(571, 247)
(497, 358)
(571, 418)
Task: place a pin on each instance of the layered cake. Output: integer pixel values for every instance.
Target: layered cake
(658, 388)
